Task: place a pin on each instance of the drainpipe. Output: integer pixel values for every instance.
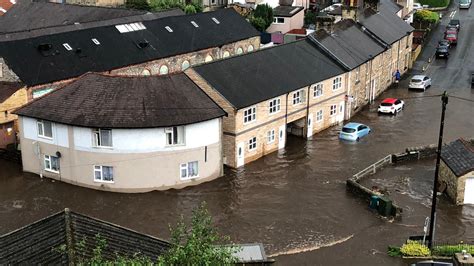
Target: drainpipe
(348, 111)
(398, 54)
(307, 112)
(286, 116)
(370, 79)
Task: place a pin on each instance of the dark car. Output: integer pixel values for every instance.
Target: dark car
(455, 23)
(443, 43)
(472, 80)
(442, 52)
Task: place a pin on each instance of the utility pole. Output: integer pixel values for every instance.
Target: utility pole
(444, 100)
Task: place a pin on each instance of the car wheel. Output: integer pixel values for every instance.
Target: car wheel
(357, 139)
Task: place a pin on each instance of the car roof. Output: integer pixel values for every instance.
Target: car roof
(353, 125)
(390, 100)
(418, 77)
(454, 20)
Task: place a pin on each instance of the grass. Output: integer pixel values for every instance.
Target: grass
(449, 250)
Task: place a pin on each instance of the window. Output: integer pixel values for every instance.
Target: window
(146, 72)
(163, 70)
(169, 29)
(341, 108)
(250, 48)
(271, 136)
(67, 46)
(239, 50)
(195, 24)
(318, 90)
(336, 83)
(357, 74)
(185, 65)
(189, 170)
(298, 97)
(45, 129)
(250, 114)
(1, 70)
(333, 110)
(319, 115)
(278, 20)
(94, 40)
(103, 173)
(252, 143)
(102, 137)
(226, 54)
(174, 135)
(51, 163)
(208, 58)
(130, 27)
(274, 105)
(215, 19)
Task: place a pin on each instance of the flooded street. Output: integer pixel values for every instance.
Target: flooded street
(295, 200)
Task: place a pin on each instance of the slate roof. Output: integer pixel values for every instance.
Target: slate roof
(34, 243)
(390, 6)
(252, 78)
(117, 49)
(96, 100)
(385, 25)
(459, 156)
(348, 43)
(286, 11)
(7, 89)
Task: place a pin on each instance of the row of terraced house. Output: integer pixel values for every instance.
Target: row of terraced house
(150, 101)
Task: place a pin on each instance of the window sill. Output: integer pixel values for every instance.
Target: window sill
(175, 145)
(103, 147)
(44, 137)
(103, 181)
(52, 171)
(276, 112)
(250, 122)
(189, 178)
(319, 96)
(297, 103)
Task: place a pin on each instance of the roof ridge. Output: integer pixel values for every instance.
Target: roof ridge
(468, 144)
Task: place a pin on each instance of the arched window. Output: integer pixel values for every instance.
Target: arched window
(239, 50)
(225, 54)
(163, 69)
(185, 65)
(250, 48)
(208, 58)
(146, 72)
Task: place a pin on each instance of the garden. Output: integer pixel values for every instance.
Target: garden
(413, 248)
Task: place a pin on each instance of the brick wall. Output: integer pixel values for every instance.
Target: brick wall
(16, 100)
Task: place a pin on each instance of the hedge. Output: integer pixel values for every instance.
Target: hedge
(435, 3)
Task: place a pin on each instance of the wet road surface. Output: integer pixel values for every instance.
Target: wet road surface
(294, 201)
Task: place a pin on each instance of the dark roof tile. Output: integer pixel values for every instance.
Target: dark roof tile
(7, 89)
(459, 156)
(286, 11)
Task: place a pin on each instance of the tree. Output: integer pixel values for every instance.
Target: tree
(265, 12)
(159, 5)
(309, 18)
(258, 23)
(198, 245)
(426, 16)
(137, 4)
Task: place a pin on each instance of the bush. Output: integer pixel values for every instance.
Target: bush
(265, 12)
(415, 249)
(137, 4)
(190, 9)
(426, 16)
(394, 251)
(309, 18)
(449, 250)
(158, 5)
(435, 3)
(258, 23)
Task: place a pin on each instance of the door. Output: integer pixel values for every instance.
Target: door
(310, 126)
(240, 154)
(281, 137)
(469, 191)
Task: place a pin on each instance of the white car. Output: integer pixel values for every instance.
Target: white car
(417, 6)
(391, 106)
(419, 82)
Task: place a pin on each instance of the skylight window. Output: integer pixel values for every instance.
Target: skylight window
(94, 40)
(168, 28)
(130, 27)
(194, 24)
(141, 26)
(121, 28)
(67, 46)
(216, 21)
(134, 26)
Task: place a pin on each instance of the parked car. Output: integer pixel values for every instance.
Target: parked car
(464, 3)
(391, 106)
(455, 23)
(432, 263)
(443, 43)
(472, 80)
(419, 82)
(452, 38)
(354, 131)
(442, 52)
(417, 6)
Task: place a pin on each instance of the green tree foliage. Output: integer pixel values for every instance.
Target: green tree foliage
(265, 12)
(258, 23)
(197, 245)
(426, 16)
(137, 4)
(309, 18)
(435, 3)
(159, 5)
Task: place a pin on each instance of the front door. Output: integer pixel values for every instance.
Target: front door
(310, 126)
(240, 154)
(469, 191)
(281, 137)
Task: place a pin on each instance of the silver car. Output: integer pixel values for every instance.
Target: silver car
(419, 82)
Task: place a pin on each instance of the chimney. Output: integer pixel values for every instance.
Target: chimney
(351, 8)
(374, 4)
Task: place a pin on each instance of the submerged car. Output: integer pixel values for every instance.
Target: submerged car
(442, 52)
(454, 23)
(443, 43)
(419, 82)
(391, 106)
(354, 131)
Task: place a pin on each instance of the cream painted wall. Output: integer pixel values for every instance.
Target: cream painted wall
(30, 131)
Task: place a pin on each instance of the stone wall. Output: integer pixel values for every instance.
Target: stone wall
(108, 3)
(6, 74)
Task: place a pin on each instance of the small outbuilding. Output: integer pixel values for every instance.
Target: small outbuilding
(457, 171)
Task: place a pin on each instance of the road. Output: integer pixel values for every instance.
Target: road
(294, 201)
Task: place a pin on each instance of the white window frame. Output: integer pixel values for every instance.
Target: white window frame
(67, 46)
(252, 144)
(337, 83)
(316, 88)
(185, 167)
(215, 19)
(319, 115)
(275, 20)
(97, 139)
(49, 159)
(333, 110)
(100, 169)
(250, 115)
(271, 136)
(94, 40)
(40, 125)
(194, 24)
(298, 97)
(180, 140)
(274, 106)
